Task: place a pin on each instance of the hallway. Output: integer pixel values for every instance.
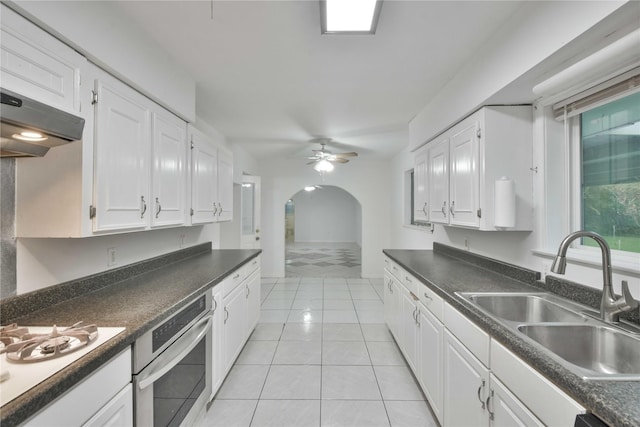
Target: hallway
(323, 260)
(320, 356)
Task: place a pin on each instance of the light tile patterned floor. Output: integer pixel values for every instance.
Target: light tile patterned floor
(323, 260)
(320, 356)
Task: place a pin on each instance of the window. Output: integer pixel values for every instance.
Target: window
(409, 218)
(606, 139)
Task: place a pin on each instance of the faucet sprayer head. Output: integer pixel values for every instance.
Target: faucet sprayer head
(559, 265)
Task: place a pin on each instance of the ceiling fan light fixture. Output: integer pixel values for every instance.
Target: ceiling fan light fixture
(357, 17)
(323, 166)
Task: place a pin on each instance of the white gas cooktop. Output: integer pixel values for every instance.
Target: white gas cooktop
(24, 376)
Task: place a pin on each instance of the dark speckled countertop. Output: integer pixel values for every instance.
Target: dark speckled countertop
(148, 294)
(447, 271)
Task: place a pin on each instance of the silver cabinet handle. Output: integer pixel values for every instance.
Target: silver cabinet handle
(158, 207)
(488, 400)
(215, 305)
(424, 208)
(427, 297)
(143, 207)
(215, 209)
(226, 315)
(444, 208)
(219, 208)
(482, 405)
(452, 208)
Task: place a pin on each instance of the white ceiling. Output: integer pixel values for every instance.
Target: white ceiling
(268, 80)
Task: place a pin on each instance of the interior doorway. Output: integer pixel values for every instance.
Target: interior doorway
(323, 233)
(250, 212)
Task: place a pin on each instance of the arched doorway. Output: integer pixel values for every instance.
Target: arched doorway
(323, 233)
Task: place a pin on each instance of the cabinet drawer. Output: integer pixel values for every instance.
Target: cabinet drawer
(410, 282)
(395, 269)
(550, 404)
(252, 266)
(85, 399)
(233, 280)
(474, 338)
(431, 301)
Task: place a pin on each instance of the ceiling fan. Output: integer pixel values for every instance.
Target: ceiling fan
(323, 159)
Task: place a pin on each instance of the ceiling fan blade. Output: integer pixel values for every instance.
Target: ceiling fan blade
(349, 154)
(310, 163)
(338, 160)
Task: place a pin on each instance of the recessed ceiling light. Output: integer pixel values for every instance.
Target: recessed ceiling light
(349, 16)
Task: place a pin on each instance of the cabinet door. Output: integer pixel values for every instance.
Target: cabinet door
(253, 301)
(204, 180)
(394, 309)
(37, 65)
(218, 356)
(225, 186)
(235, 325)
(409, 338)
(388, 302)
(505, 410)
(464, 177)
(122, 147)
(169, 170)
(438, 193)
(118, 412)
(466, 381)
(420, 200)
(430, 364)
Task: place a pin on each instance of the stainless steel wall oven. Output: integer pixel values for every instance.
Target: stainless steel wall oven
(172, 367)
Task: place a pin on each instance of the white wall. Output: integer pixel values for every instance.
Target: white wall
(542, 36)
(46, 262)
(99, 31)
(537, 31)
(327, 214)
(366, 181)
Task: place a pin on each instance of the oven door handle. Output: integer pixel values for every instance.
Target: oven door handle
(177, 351)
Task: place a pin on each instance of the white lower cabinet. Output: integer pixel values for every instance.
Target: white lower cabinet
(392, 305)
(253, 301)
(118, 412)
(430, 360)
(409, 325)
(102, 399)
(465, 383)
(235, 325)
(468, 378)
(505, 410)
(236, 311)
(217, 339)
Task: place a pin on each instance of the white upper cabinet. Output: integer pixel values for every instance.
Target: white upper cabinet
(169, 178)
(438, 182)
(225, 185)
(140, 167)
(204, 178)
(465, 162)
(464, 176)
(122, 145)
(420, 186)
(37, 65)
(211, 180)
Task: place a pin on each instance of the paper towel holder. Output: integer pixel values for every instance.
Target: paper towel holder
(504, 212)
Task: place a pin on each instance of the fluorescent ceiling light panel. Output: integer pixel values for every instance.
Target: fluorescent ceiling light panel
(349, 16)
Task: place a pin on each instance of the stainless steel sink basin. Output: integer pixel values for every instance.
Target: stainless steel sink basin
(526, 308)
(569, 332)
(598, 350)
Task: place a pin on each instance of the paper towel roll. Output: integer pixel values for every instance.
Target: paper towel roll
(505, 203)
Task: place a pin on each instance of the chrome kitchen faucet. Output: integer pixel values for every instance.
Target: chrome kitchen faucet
(610, 306)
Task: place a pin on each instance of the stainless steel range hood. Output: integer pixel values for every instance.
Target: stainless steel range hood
(29, 128)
